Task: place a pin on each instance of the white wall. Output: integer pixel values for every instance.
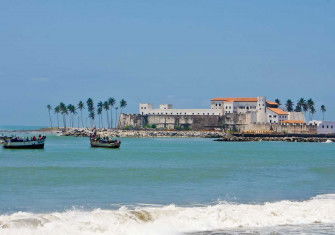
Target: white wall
(143, 108)
(273, 117)
(296, 116)
(183, 112)
(324, 127)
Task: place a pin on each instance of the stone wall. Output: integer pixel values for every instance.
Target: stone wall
(194, 122)
(228, 122)
(296, 116)
(279, 128)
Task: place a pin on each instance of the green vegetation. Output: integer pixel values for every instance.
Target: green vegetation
(49, 111)
(70, 113)
(152, 126)
(289, 105)
(183, 128)
(305, 106)
(323, 110)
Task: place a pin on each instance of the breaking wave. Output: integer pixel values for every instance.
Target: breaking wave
(172, 219)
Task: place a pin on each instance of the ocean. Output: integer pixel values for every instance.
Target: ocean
(168, 186)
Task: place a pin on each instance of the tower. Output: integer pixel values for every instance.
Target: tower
(145, 108)
(261, 109)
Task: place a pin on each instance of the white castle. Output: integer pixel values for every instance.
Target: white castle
(259, 109)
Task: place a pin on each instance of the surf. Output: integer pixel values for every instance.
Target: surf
(172, 219)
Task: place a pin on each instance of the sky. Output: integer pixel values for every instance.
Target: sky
(183, 52)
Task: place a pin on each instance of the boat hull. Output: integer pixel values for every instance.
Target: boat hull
(24, 145)
(95, 144)
(36, 146)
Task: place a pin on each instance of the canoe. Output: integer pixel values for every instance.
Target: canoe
(37, 144)
(99, 144)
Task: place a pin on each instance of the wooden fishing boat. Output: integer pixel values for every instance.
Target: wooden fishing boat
(24, 144)
(3, 139)
(100, 143)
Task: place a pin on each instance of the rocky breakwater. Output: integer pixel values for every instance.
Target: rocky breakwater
(142, 133)
(230, 138)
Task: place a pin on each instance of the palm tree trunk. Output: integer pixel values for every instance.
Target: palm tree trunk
(64, 121)
(107, 119)
(115, 118)
(81, 117)
(57, 121)
(50, 119)
(111, 122)
(120, 113)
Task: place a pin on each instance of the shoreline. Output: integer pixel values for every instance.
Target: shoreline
(219, 136)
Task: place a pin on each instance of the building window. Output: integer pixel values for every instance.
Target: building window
(323, 126)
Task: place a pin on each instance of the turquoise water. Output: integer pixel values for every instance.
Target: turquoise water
(171, 174)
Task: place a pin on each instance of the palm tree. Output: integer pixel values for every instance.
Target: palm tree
(323, 110)
(123, 104)
(57, 111)
(90, 108)
(106, 108)
(116, 108)
(72, 111)
(289, 105)
(64, 112)
(310, 106)
(81, 107)
(278, 101)
(301, 105)
(304, 105)
(99, 112)
(111, 102)
(313, 111)
(92, 117)
(49, 109)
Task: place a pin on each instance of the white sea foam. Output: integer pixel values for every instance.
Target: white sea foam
(172, 219)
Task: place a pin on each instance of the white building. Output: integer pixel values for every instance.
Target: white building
(276, 115)
(167, 109)
(260, 109)
(324, 127)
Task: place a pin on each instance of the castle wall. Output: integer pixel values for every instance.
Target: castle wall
(296, 116)
(229, 122)
(194, 122)
(279, 128)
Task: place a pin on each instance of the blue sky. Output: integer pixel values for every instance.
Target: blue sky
(182, 52)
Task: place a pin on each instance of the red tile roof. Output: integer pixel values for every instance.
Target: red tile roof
(236, 99)
(241, 99)
(278, 111)
(293, 121)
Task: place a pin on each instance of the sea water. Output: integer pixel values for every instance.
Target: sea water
(168, 186)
